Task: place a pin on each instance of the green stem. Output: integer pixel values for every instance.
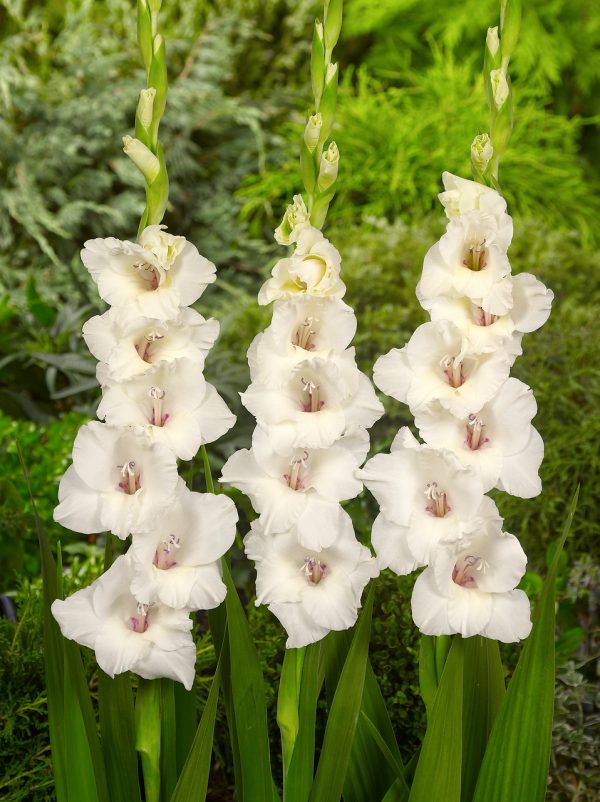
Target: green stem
(147, 736)
(287, 703)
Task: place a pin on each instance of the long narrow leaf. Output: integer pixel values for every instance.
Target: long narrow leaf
(147, 735)
(483, 690)
(185, 715)
(193, 782)
(438, 774)
(168, 738)
(515, 765)
(344, 713)
(117, 729)
(397, 792)
(248, 695)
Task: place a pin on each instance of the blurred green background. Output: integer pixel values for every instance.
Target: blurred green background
(411, 100)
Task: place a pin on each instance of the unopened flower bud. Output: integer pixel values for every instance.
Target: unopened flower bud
(499, 87)
(142, 157)
(328, 169)
(295, 219)
(481, 152)
(312, 132)
(146, 106)
(492, 40)
(331, 73)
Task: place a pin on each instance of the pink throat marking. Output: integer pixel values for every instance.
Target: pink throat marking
(163, 557)
(462, 573)
(483, 318)
(475, 437)
(157, 418)
(439, 506)
(139, 622)
(303, 334)
(314, 570)
(144, 348)
(149, 274)
(453, 371)
(294, 479)
(313, 403)
(132, 480)
(476, 257)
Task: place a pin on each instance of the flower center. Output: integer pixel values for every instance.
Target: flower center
(475, 436)
(144, 347)
(453, 370)
(312, 401)
(475, 258)
(294, 479)
(314, 570)
(462, 573)
(139, 622)
(157, 418)
(302, 335)
(483, 318)
(149, 275)
(131, 480)
(438, 499)
(163, 557)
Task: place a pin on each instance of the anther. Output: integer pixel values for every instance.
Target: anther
(131, 478)
(475, 259)
(157, 418)
(314, 570)
(439, 506)
(475, 437)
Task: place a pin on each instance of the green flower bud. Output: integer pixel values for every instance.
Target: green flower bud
(312, 132)
(157, 77)
(333, 22)
(481, 153)
(144, 32)
(145, 106)
(329, 99)
(500, 89)
(142, 157)
(492, 41)
(296, 218)
(328, 169)
(510, 26)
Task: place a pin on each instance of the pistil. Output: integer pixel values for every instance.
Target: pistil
(462, 573)
(293, 478)
(303, 334)
(314, 570)
(148, 273)
(163, 557)
(453, 370)
(143, 348)
(475, 436)
(139, 622)
(475, 259)
(439, 506)
(157, 418)
(314, 403)
(131, 480)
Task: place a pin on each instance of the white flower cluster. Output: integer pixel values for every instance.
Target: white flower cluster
(476, 424)
(157, 407)
(313, 407)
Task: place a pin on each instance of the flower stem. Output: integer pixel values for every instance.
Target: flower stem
(147, 736)
(287, 703)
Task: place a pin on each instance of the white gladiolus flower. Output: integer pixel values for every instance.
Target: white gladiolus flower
(462, 196)
(151, 640)
(311, 592)
(131, 346)
(301, 488)
(118, 481)
(470, 260)
(321, 400)
(300, 328)
(176, 561)
(425, 496)
(498, 441)
(469, 588)
(153, 278)
(174, 405)
(500, 88)
(438, 365)
(313, 269)
(296, 217)
(532, 302)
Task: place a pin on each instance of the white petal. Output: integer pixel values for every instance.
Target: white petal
(511, 617)
(300, 627)
(76, 617)
(320, 523)
(390, 544)
(519, 475)
(532, 302)
(79, 507)
(469, 611)
(392, 374)
(429, 607)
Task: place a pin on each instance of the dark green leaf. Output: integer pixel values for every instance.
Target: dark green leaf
(147, 735)
(437, 777)
(168, 738)
(344, 713)
(117, 728)
(515, 765)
